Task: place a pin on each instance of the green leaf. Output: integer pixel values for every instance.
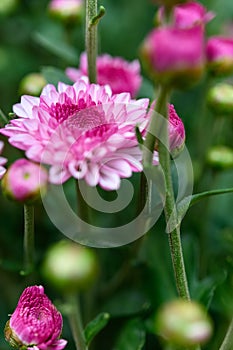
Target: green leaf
(187, 202)
(199, 196)
(54, 75)
(95, 326)
(132, 336)
(134, 303)
(57, 46)
(204, 290)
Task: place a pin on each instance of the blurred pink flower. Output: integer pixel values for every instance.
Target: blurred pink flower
(24, 181)
(175, 56)
(35, 324)
(186, 15)
(190, 14)
(82, 131)
(121, 75)
(219, 53)
(66, 9)
(2, 161)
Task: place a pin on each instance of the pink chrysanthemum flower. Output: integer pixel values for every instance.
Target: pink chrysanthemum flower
(119, 74)
(82, 131)
(2, 161)
(35, 324)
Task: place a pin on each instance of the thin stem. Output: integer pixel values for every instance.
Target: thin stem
(228, 340)
(28, 238)
(170, 206)
(83, 208)
(3, 117)
(75, 321)
(91, 38)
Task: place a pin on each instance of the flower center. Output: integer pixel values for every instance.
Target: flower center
(87, 119)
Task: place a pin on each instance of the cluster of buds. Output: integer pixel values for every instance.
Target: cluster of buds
(176, 53)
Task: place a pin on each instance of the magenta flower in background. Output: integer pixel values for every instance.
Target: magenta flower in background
(121, 75)
(24, 181)
(219, 53)
(191, 14)
(35, 324)
(82, 131)
(175, 56)
(2, 161)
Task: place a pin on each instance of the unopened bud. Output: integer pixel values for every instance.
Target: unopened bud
(220, 99)
(220, 157)
(32, 84)
(69, 266)
(183, 323)
(174, 56)
(7, 6)
(24, 181)
(219, 53)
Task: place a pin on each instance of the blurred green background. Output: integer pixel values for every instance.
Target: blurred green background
(32, 41)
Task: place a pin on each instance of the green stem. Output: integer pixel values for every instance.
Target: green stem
(228, 340)
(28, 238)
(83, 208)
(75, 321)
(91, 38)
(169, 206)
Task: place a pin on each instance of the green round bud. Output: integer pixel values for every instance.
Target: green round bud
(70, 267)
(220, 99)
(220, 157)
(32, 84)
(183, 323)
(7, 6)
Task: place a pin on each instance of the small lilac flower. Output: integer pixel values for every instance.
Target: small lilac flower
(35, 324)
(219, 53)
(2, 161)
(119, 74)
(82, 131)
(175, 56)
(24, 181)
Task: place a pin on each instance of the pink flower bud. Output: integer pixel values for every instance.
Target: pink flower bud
(35, 323)
(187, 15)
(191, 13)
(219, 53)
(2, 161)
(66, 10)
(175, 56)
(176, 132)
(24, 181)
